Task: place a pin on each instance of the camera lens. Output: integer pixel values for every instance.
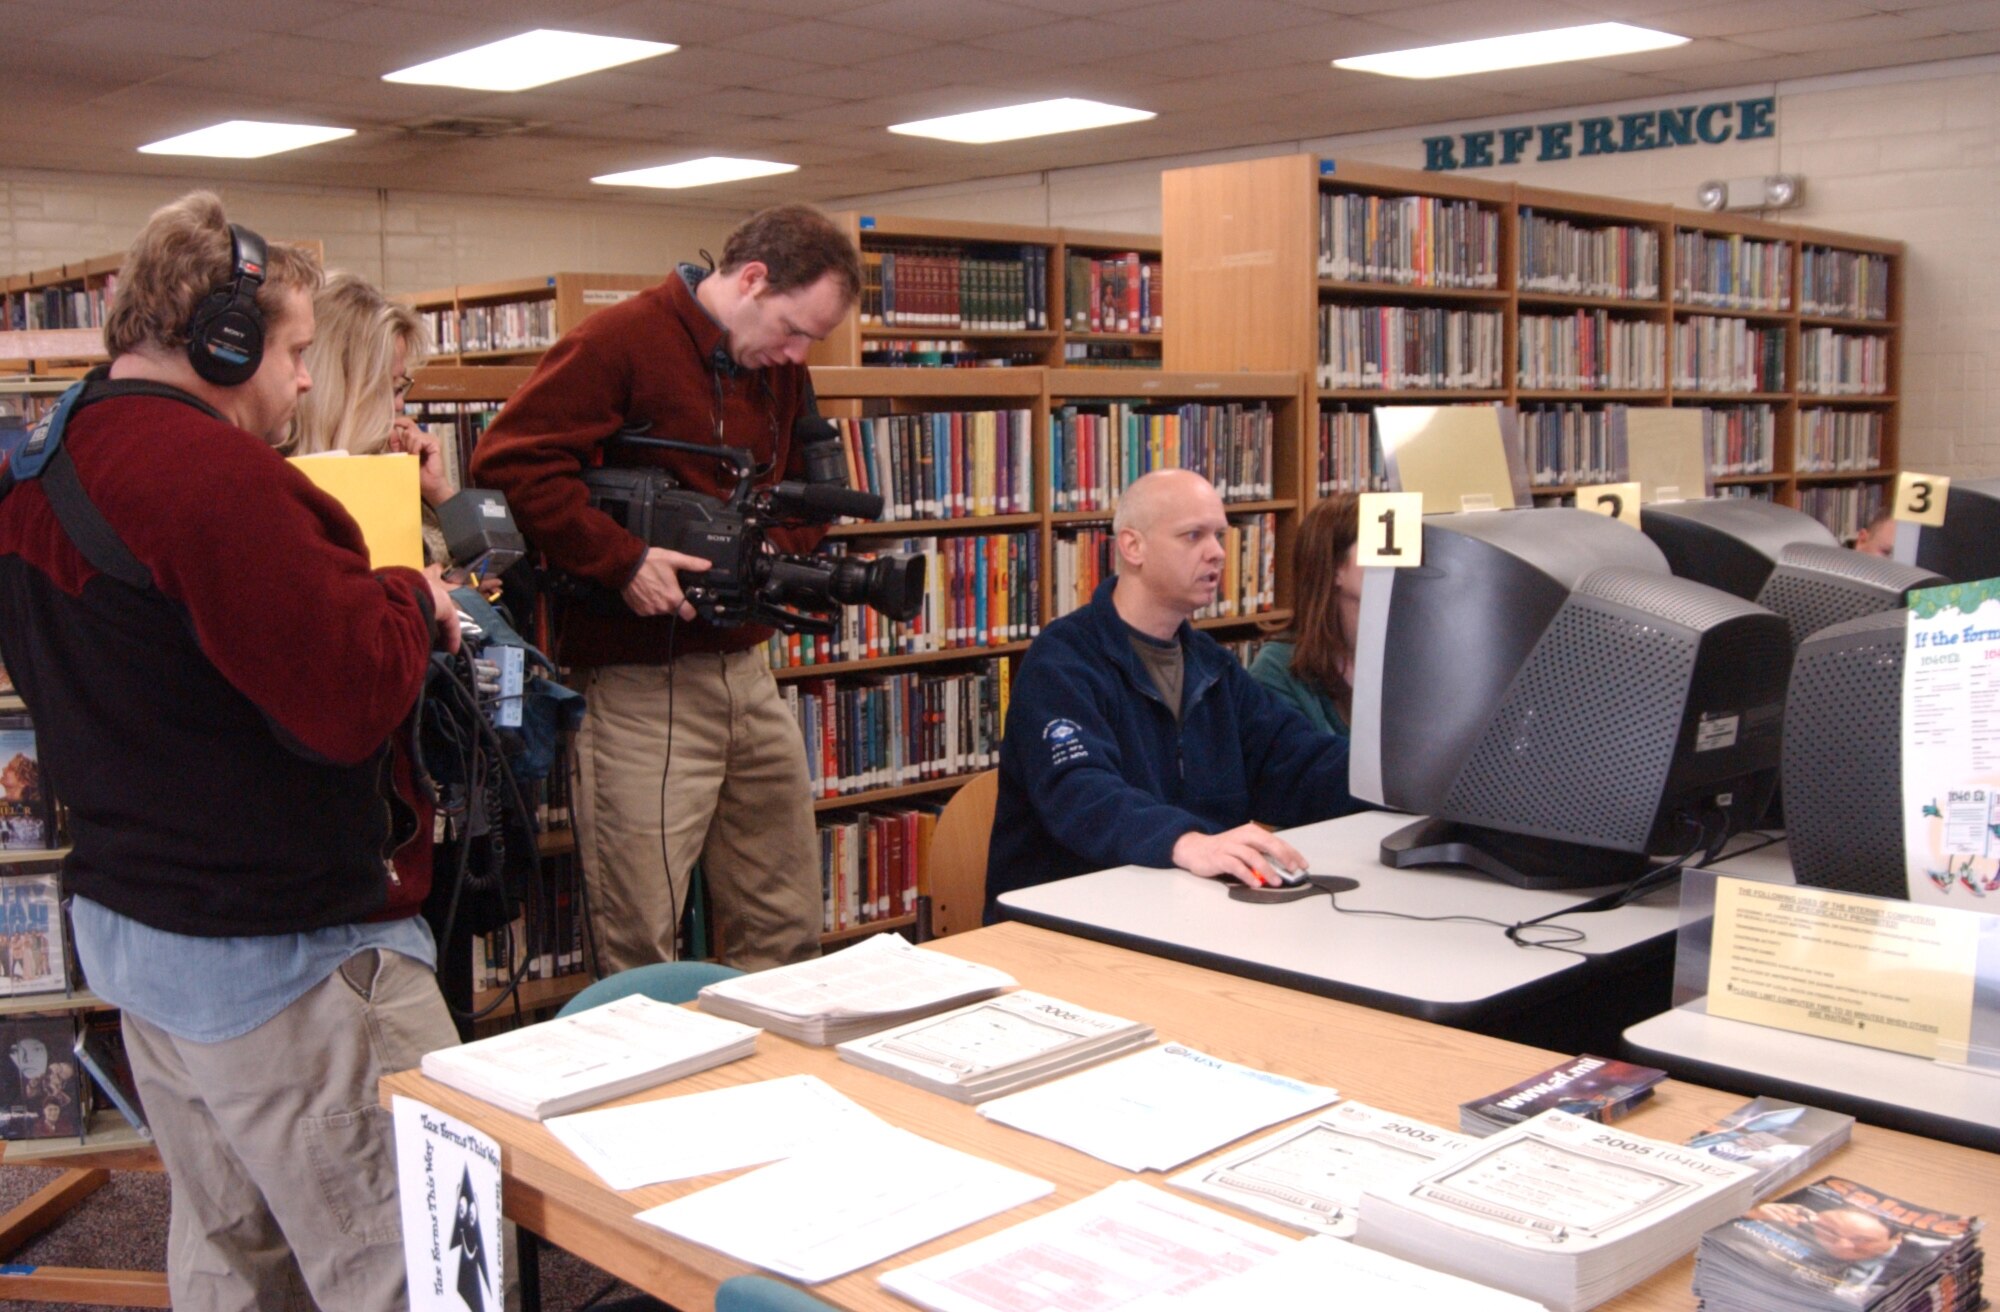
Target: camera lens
(893, 585)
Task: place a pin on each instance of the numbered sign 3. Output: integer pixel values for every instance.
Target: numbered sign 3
(1619, 501)
(1392, 529)
(1920, 498)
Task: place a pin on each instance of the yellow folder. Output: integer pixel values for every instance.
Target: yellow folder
(381, 493)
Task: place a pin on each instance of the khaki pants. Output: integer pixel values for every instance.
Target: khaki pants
(734, 796)
(282, 1164)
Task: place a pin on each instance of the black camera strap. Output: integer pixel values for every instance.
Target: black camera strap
(44, 457)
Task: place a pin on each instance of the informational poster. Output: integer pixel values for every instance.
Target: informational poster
(1460, 457)
(448, 1175)
(1951, 745)
(1665, 454)
(1873, 971)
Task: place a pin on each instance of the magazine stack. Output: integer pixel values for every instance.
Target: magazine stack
(1781, 1140)
(879, 982)
(1557, 1209)
(996, 1046)
(1595, 1088)
(1842, 1247)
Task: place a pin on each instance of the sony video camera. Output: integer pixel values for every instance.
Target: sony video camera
(748, 582)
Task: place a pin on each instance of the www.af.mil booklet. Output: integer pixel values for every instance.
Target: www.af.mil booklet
(878, 982)
(996, 1046)
(1559, 1209)
(1312, 1175)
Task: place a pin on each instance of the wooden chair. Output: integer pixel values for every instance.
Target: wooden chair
(954, 895)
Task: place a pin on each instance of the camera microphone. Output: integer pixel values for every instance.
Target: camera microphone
(824, 502)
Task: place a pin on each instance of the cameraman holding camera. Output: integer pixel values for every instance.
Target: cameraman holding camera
(687, 751)
(220, 680)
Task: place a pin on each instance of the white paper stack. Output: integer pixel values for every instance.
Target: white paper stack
(1325, 1273)
(835, 1209)
(1559, 1209)
(1312, 1175)
(1157, 1109)
(1104, 1252)
(591, 1057)
(878, 982)
(996, 1046)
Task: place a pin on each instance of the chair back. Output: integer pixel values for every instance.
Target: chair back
(663, 981)
(763, 1294)
(955, 864)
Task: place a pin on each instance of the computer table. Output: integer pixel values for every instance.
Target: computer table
(1388, 1061)
(1453, 972)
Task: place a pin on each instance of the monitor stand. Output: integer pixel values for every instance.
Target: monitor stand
(1510, 858)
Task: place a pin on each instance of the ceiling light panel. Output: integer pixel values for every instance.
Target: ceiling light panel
(1524, 50)
(705, 172)
(1013, 122)
(532, 59)
(242, 138)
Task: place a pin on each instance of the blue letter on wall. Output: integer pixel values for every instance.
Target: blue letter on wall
(1437, 154)
(1753, 117)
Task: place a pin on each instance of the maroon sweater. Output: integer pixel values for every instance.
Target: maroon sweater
(645, 360)
(223, 739)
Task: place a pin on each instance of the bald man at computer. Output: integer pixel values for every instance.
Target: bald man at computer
(1133, 739)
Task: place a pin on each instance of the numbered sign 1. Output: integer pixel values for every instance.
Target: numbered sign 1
(1392, 529)
(1920, 498)
(1619, 501)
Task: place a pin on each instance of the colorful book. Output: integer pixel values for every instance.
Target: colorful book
(1594, 1088)
(32, 956)
(42, 1091)
(1781, 1140)
(26, 820)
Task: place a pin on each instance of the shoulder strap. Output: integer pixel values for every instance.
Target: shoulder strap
(47, 458)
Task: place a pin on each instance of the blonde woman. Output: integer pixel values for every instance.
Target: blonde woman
(363, 355)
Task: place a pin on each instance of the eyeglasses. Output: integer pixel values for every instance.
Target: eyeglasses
(403, 385)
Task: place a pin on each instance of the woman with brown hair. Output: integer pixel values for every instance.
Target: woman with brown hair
(1312, 664)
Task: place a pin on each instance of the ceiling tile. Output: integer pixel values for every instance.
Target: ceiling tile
(1855, 35)
(1735, 17)
(1203, 19)
(1079, 40)
(148, 37)
(1467, 20)
(822, 43)
(936, 22)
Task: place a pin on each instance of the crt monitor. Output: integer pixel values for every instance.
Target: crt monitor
(1560, 706)
(1966, 548)
(1783, 559)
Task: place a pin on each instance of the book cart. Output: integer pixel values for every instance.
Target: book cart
(1392, 286)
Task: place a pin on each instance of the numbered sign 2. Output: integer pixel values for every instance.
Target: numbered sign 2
(1392, 529)
(1619, 501)
(1920, 498)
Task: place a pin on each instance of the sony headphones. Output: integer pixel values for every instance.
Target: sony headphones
(226, 332)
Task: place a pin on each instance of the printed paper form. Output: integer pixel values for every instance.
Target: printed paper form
(592, 1048)
(1327, 1274)
(879, 976)
(719, 1130)
(1311, 1175)
(1102, 1253)
(1157, 1109)
(836, 1209)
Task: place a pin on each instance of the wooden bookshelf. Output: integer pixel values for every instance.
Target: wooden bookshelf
(1242, 240)
(512, 321)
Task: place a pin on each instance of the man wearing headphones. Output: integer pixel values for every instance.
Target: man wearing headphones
(220, 680)
(686, 750)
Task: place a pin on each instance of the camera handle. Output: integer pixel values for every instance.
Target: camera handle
(734, 458)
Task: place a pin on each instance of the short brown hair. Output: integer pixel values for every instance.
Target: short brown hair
(1325, 536)
(798, 245)
(179, 257)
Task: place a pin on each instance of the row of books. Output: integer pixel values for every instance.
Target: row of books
(979, 591)
(1833, 363)
(546, 940)
(1833, 441)
(62, 307)
(1740, 439)
(1848, 283)
(458, 426)
(1110, 355)
(1732, 272)
(1113, 294)
(871, 864)
(1349, 455)
(972, 288)
(509, 326)
(1563, 257)
(893, 730)
(1844, 510)
(1417, 241)
(1748, 491)
(1589, 351)
(1568, 444)
(1728, 355)
(926, 353)
(1395, 347)
(943, 464)
(1098, 449)
(1085, 557)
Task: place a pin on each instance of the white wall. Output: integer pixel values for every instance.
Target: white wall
(1911, 154)
(403, 241)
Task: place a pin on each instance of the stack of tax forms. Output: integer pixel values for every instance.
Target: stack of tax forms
(591, 1057)
(996, 1046)
(1558, 1209)
(878, 982)
(1842, 1247)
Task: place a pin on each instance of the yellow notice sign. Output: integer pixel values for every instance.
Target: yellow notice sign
(1885, 974)
(1665, 453)
(1618, 501)
(1453, 454)
(381, 493)
(1919, 498)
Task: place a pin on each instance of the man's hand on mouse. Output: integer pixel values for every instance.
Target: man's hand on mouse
(1247, 853)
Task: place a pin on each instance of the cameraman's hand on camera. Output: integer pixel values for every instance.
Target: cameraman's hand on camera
(406, 435)
(443, 607)
(656, 588)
